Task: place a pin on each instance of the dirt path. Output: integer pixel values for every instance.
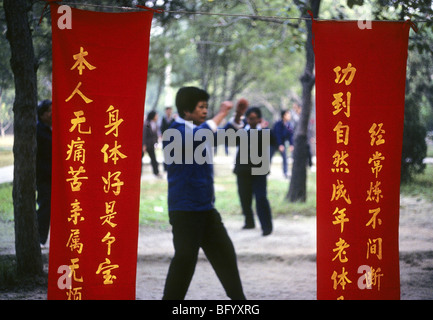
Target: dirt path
(278, 267)
(282, 266)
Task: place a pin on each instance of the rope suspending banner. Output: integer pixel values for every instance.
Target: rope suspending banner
(250, 16)
(183, 11)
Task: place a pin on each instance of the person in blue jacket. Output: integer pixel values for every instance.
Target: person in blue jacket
(283, 132)
(195, 221)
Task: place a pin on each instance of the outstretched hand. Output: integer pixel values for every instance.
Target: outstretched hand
(225, 107)
(241, 108)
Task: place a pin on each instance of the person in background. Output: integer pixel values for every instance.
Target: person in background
(43, 168)
(150, 139)
(166, 122)
(296, 116)
(283, 131)
(249, 184)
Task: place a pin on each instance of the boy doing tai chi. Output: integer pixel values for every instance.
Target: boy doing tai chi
(195, 221)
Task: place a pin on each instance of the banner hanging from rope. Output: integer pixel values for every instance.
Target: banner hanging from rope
(360, 88)
(100, 65)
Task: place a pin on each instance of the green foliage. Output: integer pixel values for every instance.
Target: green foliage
(153, 202)
(421, 185)
(6, 205)
(414, 145)
(419, 85)
(230, 56)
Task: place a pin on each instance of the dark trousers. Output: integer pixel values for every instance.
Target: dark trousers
(283, 155)
(192, 231)
(153, 161)
(44, 210)
(249, 185)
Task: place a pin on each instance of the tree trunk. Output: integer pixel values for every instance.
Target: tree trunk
(28, 252)
(298, 183)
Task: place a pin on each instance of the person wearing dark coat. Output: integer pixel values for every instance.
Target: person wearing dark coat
(150, 138)
(43, 169)
(251, 184)
(166, 122)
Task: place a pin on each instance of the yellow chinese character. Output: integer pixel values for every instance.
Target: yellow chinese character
(376, 158)
(75, 212)
(76, 149)
(112, 180)
(74, 241)
(342, 132)
(374, 193)
(109, 239)
(339, 161)
(106, 267)
(340, 218)
(340, 279)
(373, 219)
(339, 104)
(74, 266)
(81, 62)
(372, 278)
(349, 69)
(374, 247)
(114, 153)
(113, 121)
(74, 181)
(339, 191)
(74, 293)
(342, 245)
(376, 132)
(77, 91)
(78, 121)
(109, 210)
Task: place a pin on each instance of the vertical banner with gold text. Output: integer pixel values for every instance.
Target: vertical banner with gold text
(360, 88)
(99, 83)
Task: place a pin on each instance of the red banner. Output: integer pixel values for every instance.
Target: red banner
(99, 83)
(360, 87)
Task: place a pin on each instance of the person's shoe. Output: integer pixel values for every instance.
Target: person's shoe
(248, 226)
(266, 232)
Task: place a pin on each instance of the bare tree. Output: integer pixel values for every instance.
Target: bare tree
(298, 182)
(23, 64)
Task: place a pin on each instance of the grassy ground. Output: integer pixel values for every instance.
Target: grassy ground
(6, 206)
(153, 200)
(421, 186)
(6, 155)
(153, 203)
